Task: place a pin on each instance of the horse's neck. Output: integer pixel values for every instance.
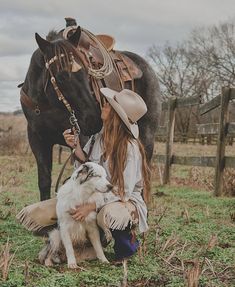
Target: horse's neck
(34, 84)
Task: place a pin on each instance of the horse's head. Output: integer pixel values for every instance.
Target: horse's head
(62, 62)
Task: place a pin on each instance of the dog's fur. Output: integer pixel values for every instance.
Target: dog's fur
(86, 185)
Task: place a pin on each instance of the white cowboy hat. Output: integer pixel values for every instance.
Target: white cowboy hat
(129, 106)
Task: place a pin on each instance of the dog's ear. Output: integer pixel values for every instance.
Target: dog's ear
(83, 173)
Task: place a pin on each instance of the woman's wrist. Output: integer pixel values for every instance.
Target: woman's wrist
(92, 206)
(77, 157)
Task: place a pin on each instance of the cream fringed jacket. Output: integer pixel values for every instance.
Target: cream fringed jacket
(133, 181)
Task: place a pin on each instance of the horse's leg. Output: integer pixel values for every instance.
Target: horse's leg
(147, 138)
(42, 151)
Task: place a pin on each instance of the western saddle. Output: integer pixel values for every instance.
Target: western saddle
(122, 75)
(124, 71)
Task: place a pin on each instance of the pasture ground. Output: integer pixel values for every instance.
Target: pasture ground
(191, 237)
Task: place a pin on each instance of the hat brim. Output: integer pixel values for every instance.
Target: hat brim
(110, 96)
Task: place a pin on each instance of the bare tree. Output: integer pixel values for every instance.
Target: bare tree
(214, 49)
(199, 66)
(179, 76)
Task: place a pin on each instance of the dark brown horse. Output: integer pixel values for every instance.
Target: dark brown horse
(45, 128)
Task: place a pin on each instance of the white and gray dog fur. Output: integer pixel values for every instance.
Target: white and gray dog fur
(87, 184)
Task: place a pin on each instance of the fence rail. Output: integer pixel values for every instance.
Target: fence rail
(203, 161)
(221, 129)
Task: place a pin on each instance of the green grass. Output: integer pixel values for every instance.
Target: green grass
(183, 217)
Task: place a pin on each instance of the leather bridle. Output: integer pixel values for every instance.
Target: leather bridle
(94, 75)
(73, 120)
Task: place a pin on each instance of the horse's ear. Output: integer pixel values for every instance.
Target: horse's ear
(42, 44)
(75, 37)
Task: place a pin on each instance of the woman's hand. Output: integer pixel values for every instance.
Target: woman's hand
(73, 142)
(82, 211)
(69, 138)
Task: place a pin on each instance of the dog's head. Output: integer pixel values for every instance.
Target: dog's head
(93, 176)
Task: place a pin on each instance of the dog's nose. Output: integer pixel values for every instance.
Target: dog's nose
(109, 186)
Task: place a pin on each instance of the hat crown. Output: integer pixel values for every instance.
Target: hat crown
(132, 104)
(128, 105)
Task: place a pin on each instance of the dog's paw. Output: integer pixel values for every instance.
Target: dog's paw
(108, 236)
(56, 259)
(44, 253)
(72, 265)
(104, 260)
(48, 262)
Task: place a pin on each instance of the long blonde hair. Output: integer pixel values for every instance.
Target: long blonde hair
(115, 139)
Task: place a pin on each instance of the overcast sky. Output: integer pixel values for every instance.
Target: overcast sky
(135, 24)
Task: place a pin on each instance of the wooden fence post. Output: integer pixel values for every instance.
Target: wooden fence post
(221, 141)
(169, 139)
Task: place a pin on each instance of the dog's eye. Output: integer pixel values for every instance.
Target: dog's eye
(93, 175)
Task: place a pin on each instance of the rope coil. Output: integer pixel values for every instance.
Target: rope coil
(107, 67)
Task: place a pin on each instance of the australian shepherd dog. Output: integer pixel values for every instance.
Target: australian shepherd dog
(86, 185)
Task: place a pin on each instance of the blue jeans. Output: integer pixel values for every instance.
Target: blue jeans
(125, 244)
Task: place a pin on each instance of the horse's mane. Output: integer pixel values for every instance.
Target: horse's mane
(53, 35)
(63, 50)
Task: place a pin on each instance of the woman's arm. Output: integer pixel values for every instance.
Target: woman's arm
(82, 211)
(70, 140)
(79, 153)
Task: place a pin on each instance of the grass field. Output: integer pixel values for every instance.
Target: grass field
(189, 230)
(191, 237)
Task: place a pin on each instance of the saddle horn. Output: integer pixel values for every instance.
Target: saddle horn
(70, 21)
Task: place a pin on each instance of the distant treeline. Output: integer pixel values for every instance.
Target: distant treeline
(198, 66)
(15, 113)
